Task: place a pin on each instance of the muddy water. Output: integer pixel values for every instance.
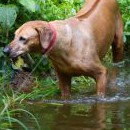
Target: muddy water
(85, 112)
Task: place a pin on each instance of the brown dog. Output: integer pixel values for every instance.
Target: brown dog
(75, 45)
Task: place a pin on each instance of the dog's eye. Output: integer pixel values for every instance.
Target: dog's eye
(22, 39)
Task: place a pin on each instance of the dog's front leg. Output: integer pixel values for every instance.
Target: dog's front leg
(64, 84)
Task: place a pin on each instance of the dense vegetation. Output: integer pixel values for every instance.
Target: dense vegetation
(14, 13)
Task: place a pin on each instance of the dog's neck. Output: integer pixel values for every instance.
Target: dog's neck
(53, 40)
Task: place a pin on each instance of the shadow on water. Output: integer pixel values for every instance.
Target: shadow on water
(86, 112)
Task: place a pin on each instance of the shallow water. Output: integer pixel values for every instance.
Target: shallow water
(88, 116)
(85, 112)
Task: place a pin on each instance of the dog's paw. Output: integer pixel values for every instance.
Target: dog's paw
(101, 94)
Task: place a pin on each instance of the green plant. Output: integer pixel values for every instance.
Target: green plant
(8, 15)
(9, 109)
(125, 10)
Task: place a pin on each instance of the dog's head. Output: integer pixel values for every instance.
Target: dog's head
(33, 36)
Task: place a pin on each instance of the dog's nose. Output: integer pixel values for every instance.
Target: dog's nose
(6, 50)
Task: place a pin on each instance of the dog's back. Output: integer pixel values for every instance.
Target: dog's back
(90, 6)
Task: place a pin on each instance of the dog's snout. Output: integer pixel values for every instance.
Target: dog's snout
(7, 50)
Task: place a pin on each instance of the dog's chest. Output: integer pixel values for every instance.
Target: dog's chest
(68, 64)
(61, 61)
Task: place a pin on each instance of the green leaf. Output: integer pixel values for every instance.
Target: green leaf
(127, 24)
(8, 15)
(29, 4)
(127, 33)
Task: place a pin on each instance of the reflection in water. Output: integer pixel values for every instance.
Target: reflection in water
(85, 113)
(97, 116)
(81, 118)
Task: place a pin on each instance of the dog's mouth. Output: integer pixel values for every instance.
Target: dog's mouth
(16, 54)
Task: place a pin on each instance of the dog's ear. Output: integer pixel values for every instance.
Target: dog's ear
(45, 36)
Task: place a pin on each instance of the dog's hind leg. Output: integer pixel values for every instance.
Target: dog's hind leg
(117, 46)
(100, 75)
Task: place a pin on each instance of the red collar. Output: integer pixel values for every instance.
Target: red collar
(52, 42)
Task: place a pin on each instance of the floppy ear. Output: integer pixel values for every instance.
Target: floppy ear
(45, 36)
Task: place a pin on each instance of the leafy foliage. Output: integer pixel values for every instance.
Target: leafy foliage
(8, 16)
(29, 4)
(125, 9)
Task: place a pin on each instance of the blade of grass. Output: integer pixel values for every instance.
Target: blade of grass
(33, 117)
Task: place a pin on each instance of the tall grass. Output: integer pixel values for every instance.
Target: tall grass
(10, 104)
(9, 107)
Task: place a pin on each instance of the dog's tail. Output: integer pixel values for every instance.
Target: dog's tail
(89, 6)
